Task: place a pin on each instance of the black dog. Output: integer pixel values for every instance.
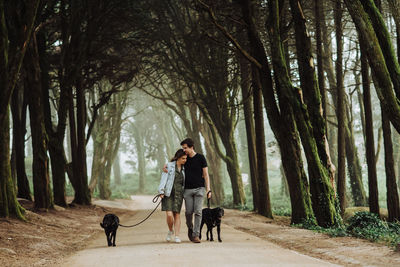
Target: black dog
(110, 225)
(212, 218)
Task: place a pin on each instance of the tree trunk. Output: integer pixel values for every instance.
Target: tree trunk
(8, 77)
(341, 182)
(117, 170)
(214, 166)
(55, 133)
(8, 199)
(369, 138)
(282, 126)
(140, 150)
(392, 195)
(354, 167)
(18, 107)
(40, 166)
(264, 201)
(232, 165)
(284, 183)
(320, 19)
(250, 131)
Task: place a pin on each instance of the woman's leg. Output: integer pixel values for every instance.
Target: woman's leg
(177, 223)
(170, 220)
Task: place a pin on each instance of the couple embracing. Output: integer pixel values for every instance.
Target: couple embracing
(185, 177)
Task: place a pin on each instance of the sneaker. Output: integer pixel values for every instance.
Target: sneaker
(169, 235)
(190, 232)
(196, 239)
(177, 239)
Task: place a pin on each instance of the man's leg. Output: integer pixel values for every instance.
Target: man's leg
(198, 206)
(188, 196)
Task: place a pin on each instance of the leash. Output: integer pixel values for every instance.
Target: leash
(155, 199)
(208, 199)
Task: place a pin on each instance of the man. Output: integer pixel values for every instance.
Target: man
(197, 182)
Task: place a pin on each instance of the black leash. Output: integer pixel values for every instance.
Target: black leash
(155, 199)
(208, 199)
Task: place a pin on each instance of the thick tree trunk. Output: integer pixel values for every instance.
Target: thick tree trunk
(18, 107)
(40, 166)
(8, 77)
(264, 201)
(312, 130)
(8, 199)
(282, 126)
(392, 195)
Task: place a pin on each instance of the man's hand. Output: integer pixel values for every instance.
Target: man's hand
(162, 196)
(209, 194)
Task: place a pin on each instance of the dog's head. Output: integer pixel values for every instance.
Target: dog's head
(109, 220)
(220, 213)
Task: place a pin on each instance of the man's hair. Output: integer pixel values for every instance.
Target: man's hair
(188, 141)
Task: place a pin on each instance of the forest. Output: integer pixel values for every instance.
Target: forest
(294, 103)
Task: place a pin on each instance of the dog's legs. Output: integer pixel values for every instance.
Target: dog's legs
(219, 232)
(211, 234)
(114, 234)
(108, 235)
(208, 230)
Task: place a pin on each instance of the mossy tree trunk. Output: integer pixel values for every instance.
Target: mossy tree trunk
(18, 108)
(309, 120)
(392, 195)
(11, 58)
(264, 201)
(281, 121)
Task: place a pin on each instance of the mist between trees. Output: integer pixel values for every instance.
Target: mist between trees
(295, 104)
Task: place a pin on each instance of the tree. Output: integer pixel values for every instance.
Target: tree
(13, 44)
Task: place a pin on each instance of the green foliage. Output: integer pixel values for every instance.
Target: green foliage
(369, 226)
(228, 204)
(364, 225)
(282, 211)
(311, 224)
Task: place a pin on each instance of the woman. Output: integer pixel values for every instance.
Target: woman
(171, 192)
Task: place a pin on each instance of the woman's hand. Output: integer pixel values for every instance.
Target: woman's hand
(165, 168)
(162, 196)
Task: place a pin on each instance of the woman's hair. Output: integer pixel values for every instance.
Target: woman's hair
(178, 154)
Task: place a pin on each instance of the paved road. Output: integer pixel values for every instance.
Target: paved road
(145, 245)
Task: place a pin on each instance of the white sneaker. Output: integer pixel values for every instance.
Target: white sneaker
(177, 239)
(169, 235)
